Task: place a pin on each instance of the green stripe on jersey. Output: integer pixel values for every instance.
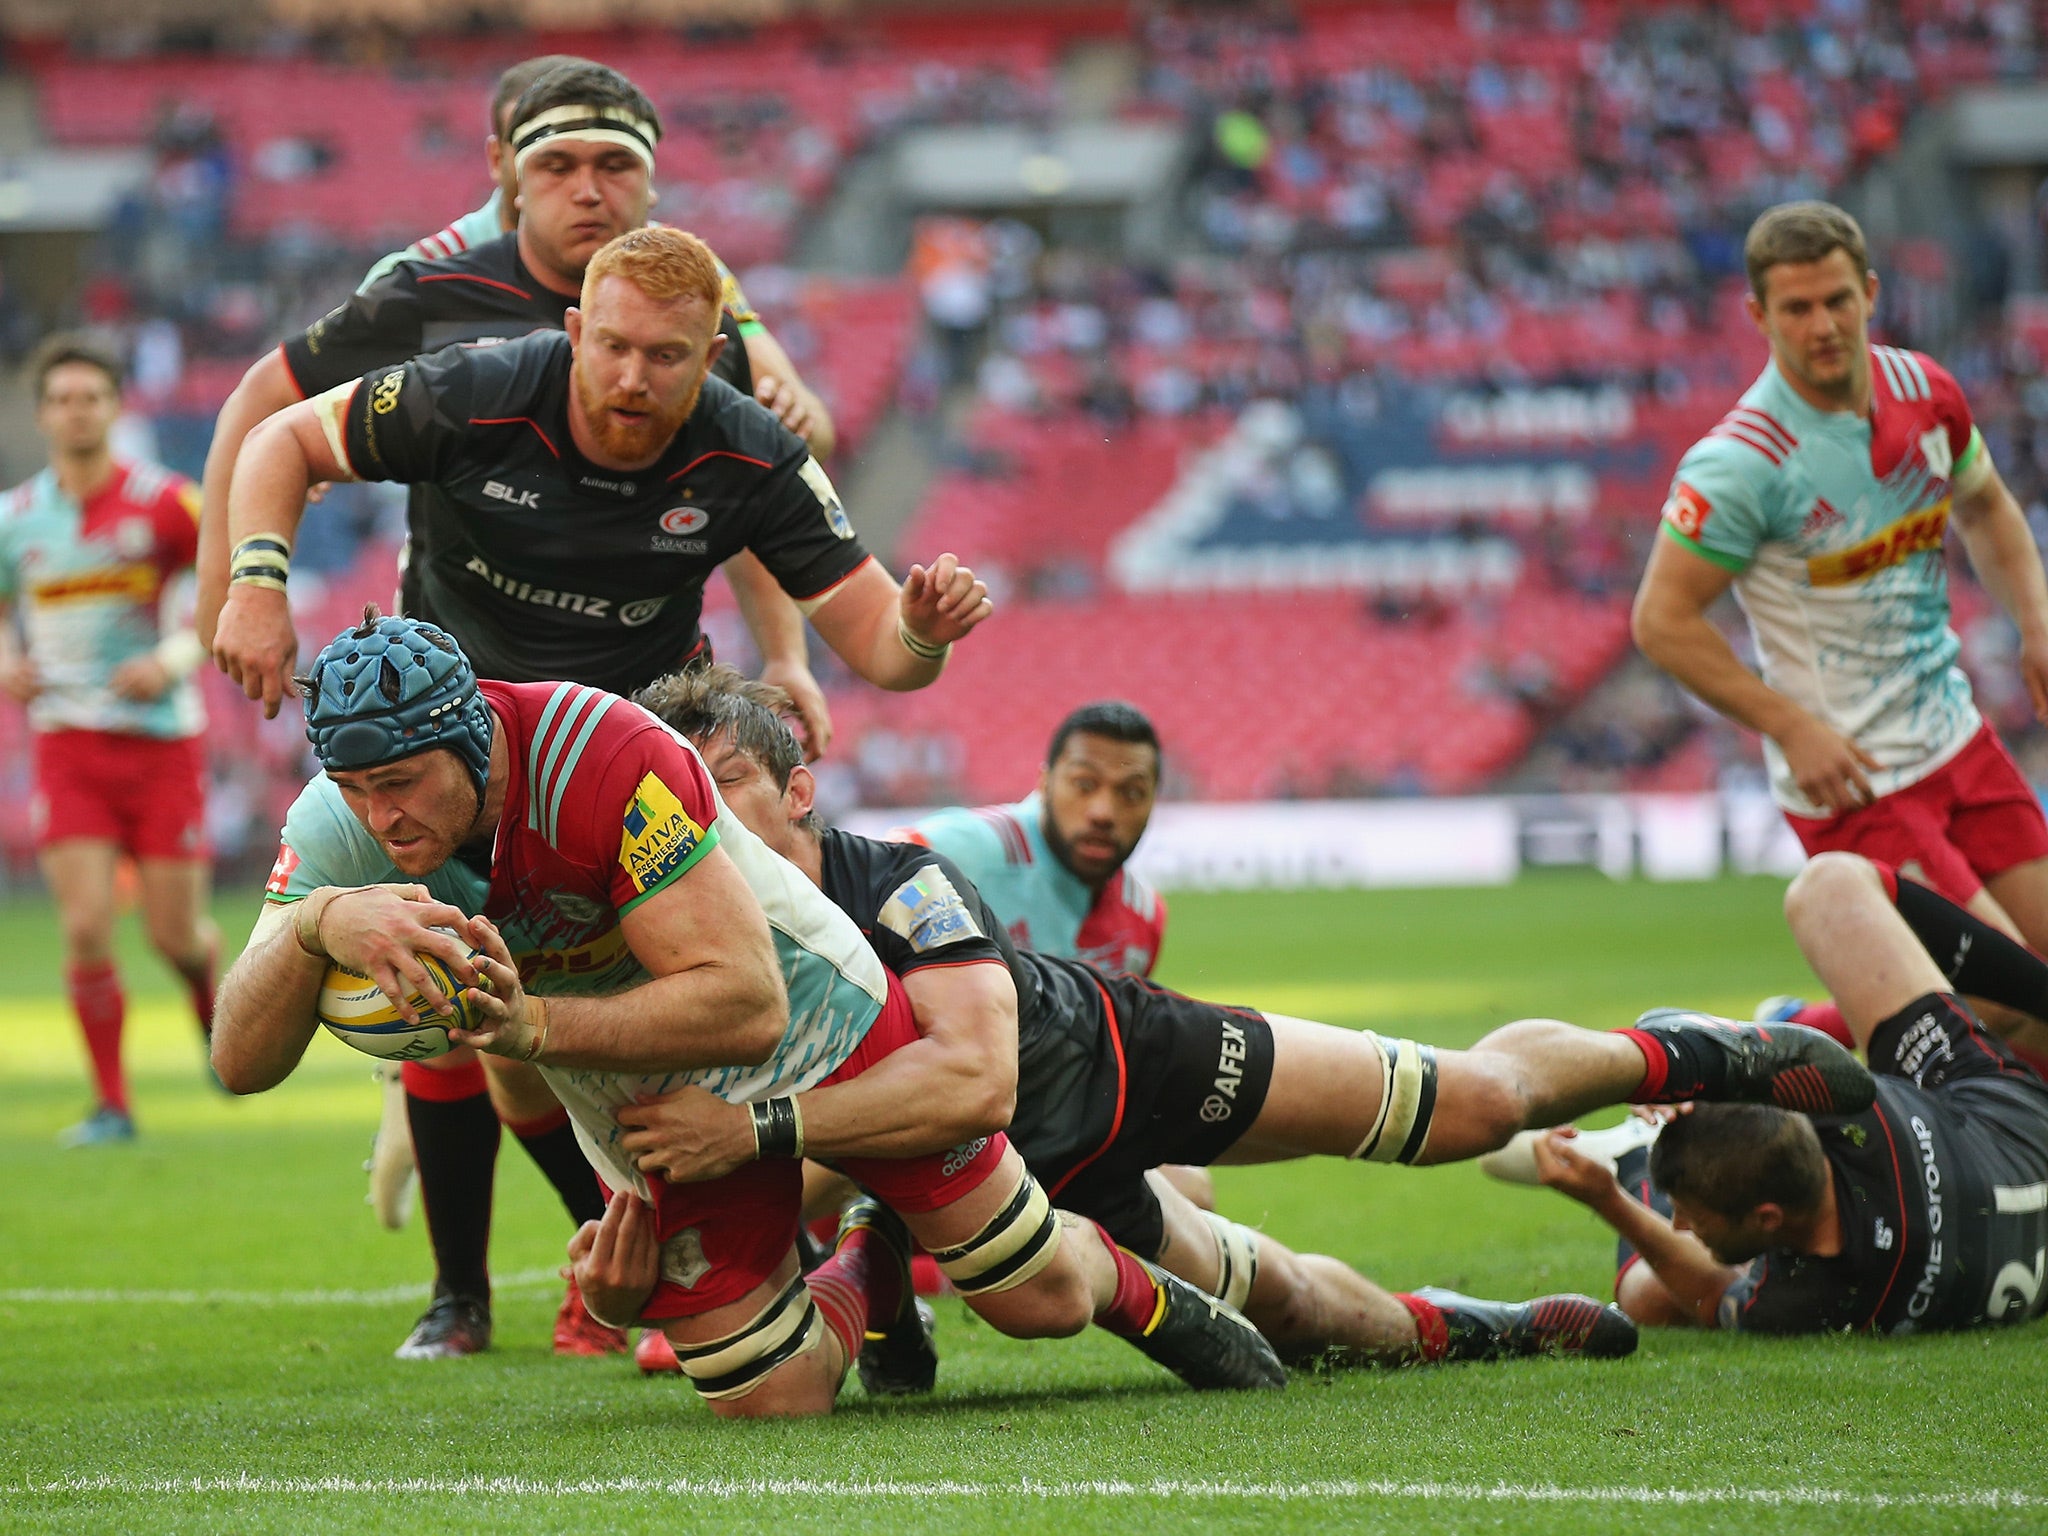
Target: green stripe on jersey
(705, 844)
(1726, 562)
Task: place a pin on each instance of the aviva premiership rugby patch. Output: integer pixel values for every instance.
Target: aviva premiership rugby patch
(828, 499)
(927, 912)
(659, 836)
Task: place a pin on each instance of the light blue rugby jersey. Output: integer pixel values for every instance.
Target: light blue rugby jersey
(1834, 526)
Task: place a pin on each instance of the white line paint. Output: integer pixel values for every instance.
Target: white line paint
(390, 1295)
(750, 1488)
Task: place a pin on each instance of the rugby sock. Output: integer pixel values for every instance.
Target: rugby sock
(1826, 1018)
(551, 1142)
(1432, 1329)
(844, 1289)
(1135, 1305)
(1978, 960)
(96, 998)
(199, 983)
(455, 1147)
(863, 1260)
(1677, 1064)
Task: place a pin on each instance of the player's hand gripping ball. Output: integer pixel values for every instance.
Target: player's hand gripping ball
(356, 1011)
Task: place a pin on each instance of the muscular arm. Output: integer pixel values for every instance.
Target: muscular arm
(1671, 627)
(286, 453)
(266, 389)
(954, 1083)
(2001, 548)
(777, 625)
(861, 617)
(1691, 1277)
(716, 998)
(263, 1018)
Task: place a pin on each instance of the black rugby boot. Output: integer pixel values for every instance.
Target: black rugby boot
(1207, 1343)
(898, 1358)
(1549, 1325)
(1704, 1056)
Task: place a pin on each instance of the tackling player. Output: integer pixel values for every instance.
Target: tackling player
(86, 550)
(1927, 1210)
(1823, 500)
(582, 847)
(1052, 865)
(1117, 1076)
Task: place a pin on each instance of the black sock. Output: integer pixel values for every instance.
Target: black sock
(554, 1151)
(455, 1145)
(1978, 960)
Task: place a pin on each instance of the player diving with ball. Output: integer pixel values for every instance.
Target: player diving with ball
(616, 928)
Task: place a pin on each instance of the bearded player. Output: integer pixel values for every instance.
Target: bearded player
(580, 844)
(1117, 1076)
(87, 549)
(1823, 499)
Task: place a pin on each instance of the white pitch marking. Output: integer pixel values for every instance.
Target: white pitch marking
(390, 1295)
(747, 1488)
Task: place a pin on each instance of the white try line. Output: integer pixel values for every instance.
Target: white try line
(390, 1295)
(753, 1488)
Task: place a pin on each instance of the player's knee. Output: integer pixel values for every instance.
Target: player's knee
(1825, 883)
(88, 937)
(779, 1365)
(1284, 1302)
(1056, 1303)
(175, 937)
(1494, 1107)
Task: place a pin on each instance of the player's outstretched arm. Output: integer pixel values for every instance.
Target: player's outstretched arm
(1671, 627)
(1691, 1281)
(282, 458)
(266, 389)
(2002, 549)
(779, 387)
(898, 637)
(265, 1013)
(716, 999)
(956, 1082)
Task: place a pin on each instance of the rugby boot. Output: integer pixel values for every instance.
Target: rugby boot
(450, 1327)
(1204, 1341)
(578, 1333)
(391, 1171)
(1549, 1325)
(898, 1357)
(1703, 1056)
(1515, 1163)
(103, 1127)
(655, 1355)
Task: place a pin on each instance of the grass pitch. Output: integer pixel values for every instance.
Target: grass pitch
(195, 1331)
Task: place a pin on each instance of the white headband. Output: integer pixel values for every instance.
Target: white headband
(601, 125)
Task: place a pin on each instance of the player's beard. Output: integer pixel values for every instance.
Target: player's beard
(643, 442)
(1070, 858)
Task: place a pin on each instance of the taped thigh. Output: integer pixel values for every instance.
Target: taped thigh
(1015, 1244)
(736, 1364)
(1407, 1101)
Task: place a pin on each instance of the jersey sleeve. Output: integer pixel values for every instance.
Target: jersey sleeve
(735, 301)
(322, 844)
(800, 529)
(930, 914)
(1970, 460)
(177, 521)
(1717, 506)
(647, 817)
(379, 326)
(407, 422)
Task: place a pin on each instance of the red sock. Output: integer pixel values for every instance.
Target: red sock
(1135, 1306)
(96, 998)
(444, 1085)
(840, 1288)
(199, 979)
(1432, 1333)
(1656, 1067)
(1826, 1018)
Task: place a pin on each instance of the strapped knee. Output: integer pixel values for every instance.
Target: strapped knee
(1018, 1241)
(736, 1364)
(1237, 1255)
(1407, 1102)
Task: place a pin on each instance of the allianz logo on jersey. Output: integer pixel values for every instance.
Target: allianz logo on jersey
(632, 615)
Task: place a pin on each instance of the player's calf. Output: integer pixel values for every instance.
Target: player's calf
(787, 1360)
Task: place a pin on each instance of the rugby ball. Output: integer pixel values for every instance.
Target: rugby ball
(356, 1012)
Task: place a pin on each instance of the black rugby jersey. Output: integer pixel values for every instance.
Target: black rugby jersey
(478, 297)
(917, 910)
(545, 565)
(1942, 1190)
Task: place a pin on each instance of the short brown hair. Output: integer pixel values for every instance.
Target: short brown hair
(718, 700)
(662, 263)
(1801, 232)
(514, 82)
(1732, 1158)
(60, 350)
